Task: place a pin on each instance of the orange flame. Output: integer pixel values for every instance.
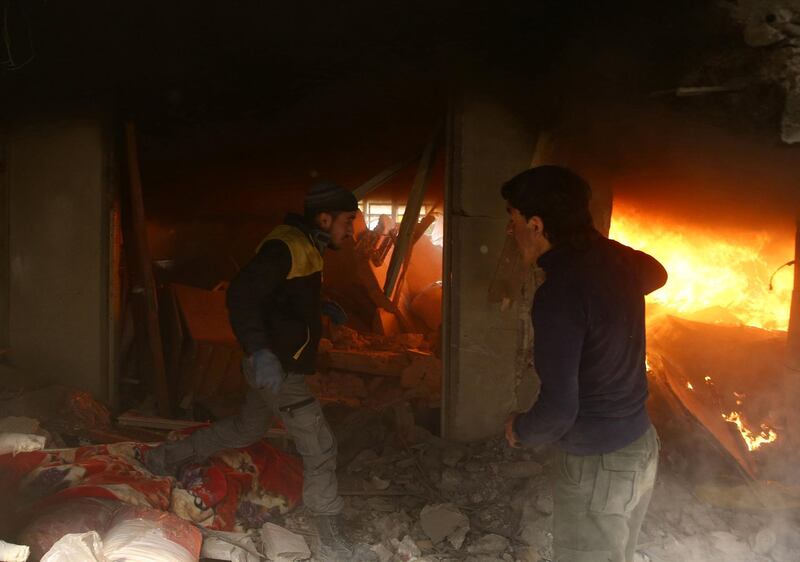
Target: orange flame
(708, 270)
(752, 440)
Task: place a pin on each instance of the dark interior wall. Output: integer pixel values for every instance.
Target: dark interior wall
(58, 210)
(212, 192)
(4, 242)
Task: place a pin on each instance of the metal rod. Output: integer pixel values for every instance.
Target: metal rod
(411, 214)
(793, 337)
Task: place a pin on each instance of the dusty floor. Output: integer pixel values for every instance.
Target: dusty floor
(498, 506)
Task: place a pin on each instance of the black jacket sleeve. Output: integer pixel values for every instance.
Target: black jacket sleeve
(250, 289)
(559, 328)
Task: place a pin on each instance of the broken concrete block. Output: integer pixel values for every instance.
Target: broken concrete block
(362, 460)
(407, 549)
(440, 521)
(383, 553)
(20, 443)
(489, 544)
(282, 545)
(526, 554)
(236, 547)
(451, 480)
(544, 504)
(376, 483)
(451, 456)
(764, 541)
(379, 363)
(393, 526)
(425, 372)
(382, 504)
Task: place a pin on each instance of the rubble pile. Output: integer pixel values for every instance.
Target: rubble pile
(417, 497)
(359, 369)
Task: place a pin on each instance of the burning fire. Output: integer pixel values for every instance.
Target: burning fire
(711, 271)
(690, 386)
(752, 440)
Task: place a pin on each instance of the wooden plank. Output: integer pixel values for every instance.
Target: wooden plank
(411, 215)
(132, 419)
(146, 283)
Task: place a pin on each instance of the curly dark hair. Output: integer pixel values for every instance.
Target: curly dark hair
(559, 197)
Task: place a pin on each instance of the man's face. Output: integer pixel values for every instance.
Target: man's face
(529, 234)
(339, 228)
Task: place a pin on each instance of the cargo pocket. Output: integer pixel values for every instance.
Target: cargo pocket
(310, 430)
(571, 468)
(616, 484)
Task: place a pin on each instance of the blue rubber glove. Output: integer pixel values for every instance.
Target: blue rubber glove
(335, 312)
(267, 370)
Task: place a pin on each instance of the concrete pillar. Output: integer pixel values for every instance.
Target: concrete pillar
(488, 144)
(58, 226)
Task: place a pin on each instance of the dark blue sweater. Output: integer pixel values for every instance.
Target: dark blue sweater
(589, 348)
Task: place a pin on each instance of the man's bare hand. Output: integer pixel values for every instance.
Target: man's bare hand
(511, 437)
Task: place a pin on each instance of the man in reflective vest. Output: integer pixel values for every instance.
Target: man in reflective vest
(275, 311)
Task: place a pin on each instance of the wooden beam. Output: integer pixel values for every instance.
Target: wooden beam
(132, 419)
(376, 181)
(145, 287)
(411, 214)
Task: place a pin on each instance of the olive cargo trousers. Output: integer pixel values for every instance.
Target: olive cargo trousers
(600, 501)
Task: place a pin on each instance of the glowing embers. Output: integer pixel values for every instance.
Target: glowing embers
(751, 439)
(713, 277)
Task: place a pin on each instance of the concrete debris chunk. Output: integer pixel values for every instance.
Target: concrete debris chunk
(451, 456)
(444, 521)
(379, 503)
(13, 552)
(20, 443)
(376, 483)
(236, 547)
(544, 504)
(393, 526)
(361, 461)
(407, 549)
(382, 552)
(489, 544)
(282, 545)
(764, 541)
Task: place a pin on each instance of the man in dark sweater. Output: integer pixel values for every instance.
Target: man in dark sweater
(275, 311)
(589, 352)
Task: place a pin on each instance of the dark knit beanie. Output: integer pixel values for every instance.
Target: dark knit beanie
(328, 196)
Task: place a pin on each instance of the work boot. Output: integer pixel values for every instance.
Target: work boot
(168, 458)
(333, 545)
